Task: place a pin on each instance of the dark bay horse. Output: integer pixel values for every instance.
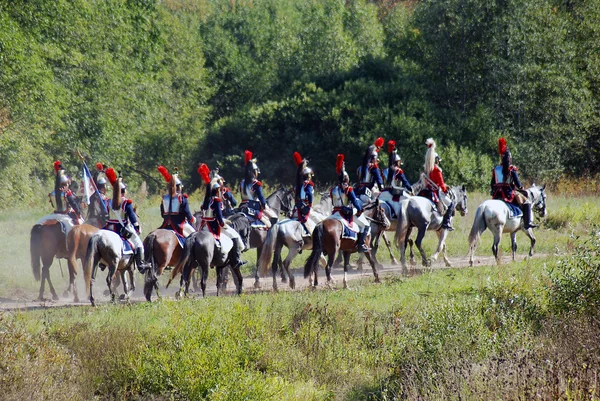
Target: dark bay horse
(46, 242)
(327, 239)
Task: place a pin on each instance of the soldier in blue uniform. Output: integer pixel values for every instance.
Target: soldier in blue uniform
(123, 220)
(343, 200)
(67, 209)
(396, 179)
(212, 218)
(227, 197)
(369, 174)
(253, 199)
(304, 191)
(506, 185)
(174, 207)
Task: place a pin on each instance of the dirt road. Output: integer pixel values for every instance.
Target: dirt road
(355, 278)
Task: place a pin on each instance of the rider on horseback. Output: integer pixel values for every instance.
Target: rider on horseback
(253, 198)
(304, 191)
(396, 179)
(66, 202)
(434, 183)
(227, 197)
(369, 173)
(212, 218)
(175, 208)
(123, 220)
(343, 198)
(506, 185)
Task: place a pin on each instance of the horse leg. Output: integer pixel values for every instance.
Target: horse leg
(411, 243)
(46, 275)
(330, 260)
(277, 263)
(219, 270)
(419, 243)
(375, 246)
(238, 279)
(529, 233)
(372, 262)
(445, 255)
(442, 234)
(497, 236)
(359, 263)
(513, 244)
(389, 247)
(112, 269)
(292, 252)
(347, 260)
(72, 265)
(338, 260)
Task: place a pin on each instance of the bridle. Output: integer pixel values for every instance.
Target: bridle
(379, 216)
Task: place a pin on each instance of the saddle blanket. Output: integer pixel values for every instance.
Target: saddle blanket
(255, 223)
(66, 223)
(127, 247)
(514, 210)
(350, 230)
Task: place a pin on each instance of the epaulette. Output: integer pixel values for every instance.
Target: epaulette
(310, 183)
(258, 183)
(69, 193)
(217, 199)
(186, 196)
(349, 189)
(129, 201)
(400, 170)
(513, 168)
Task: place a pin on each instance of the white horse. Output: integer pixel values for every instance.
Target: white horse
(495, 215)
(289, 233)
(107, 246)
(420, 212)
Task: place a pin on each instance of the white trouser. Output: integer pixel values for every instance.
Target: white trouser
(362, 223)
(188, 229)
(135, 239)
(234, 236)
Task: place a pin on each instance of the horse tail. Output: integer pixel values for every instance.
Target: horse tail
(264, 263)
(312, 262)
(479, 226)
(34, 250)
(183, 258)
(90, 256)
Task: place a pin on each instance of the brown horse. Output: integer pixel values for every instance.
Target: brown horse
(77, 242)
(327, 239)
(47, 241)
(161, 249)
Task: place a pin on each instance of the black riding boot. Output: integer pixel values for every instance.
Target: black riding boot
(141, 265)
(447, 221)
(360, 242)
(237, 261)
(527, 216)
(306, 232)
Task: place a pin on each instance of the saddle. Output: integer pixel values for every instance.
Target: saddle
(350, 229)
(513, 210)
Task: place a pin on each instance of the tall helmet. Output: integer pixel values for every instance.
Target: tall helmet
(214, 174)
(102, 182)
(393, 152)
(169, 179)
(214, 184)
(251, 169)
(307, 171)
(379, 143)
(340, 169)
(504, 153)
(178, 182)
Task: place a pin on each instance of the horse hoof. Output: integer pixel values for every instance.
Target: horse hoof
(470, 263)
(292, 284)
(413, 262)
(55, 297)
(106, 293)
(257, 284)
(377, 280)
(66, 294)
(123, 296)
(284, 280)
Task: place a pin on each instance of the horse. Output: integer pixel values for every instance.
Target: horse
(327, 239)
(46, 242)
(288, 233)
(420, 212)
(161, 249)
(495, 215)
(107, 246)
(201, 249)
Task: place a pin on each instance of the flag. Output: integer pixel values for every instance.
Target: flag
(89, 187)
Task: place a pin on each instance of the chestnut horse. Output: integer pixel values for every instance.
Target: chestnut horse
(327, 239)
(47, 241)
(161, 249)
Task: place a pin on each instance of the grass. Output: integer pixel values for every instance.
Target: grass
(480, 333)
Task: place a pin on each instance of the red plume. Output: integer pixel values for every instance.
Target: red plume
(165, 173)
(99, 166)
(111, 175)
(339, 163)
(379, 142)
(247, 156)
(204, 172)
(297, 158)
(391, 145)
(57, 166)
(501, 146)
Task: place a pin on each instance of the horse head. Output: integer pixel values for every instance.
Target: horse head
(376, 214)
(537, 195)
(282, 200)
(460, 197)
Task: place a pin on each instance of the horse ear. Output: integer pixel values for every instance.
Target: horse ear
(464, 188)
(544, 187)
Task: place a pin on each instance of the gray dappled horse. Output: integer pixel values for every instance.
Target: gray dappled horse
(201, 249)
(496, 216)
(288, 233)
(420, 212)
(107, 246)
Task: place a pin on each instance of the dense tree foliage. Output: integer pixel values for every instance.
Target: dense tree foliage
(137, 83)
